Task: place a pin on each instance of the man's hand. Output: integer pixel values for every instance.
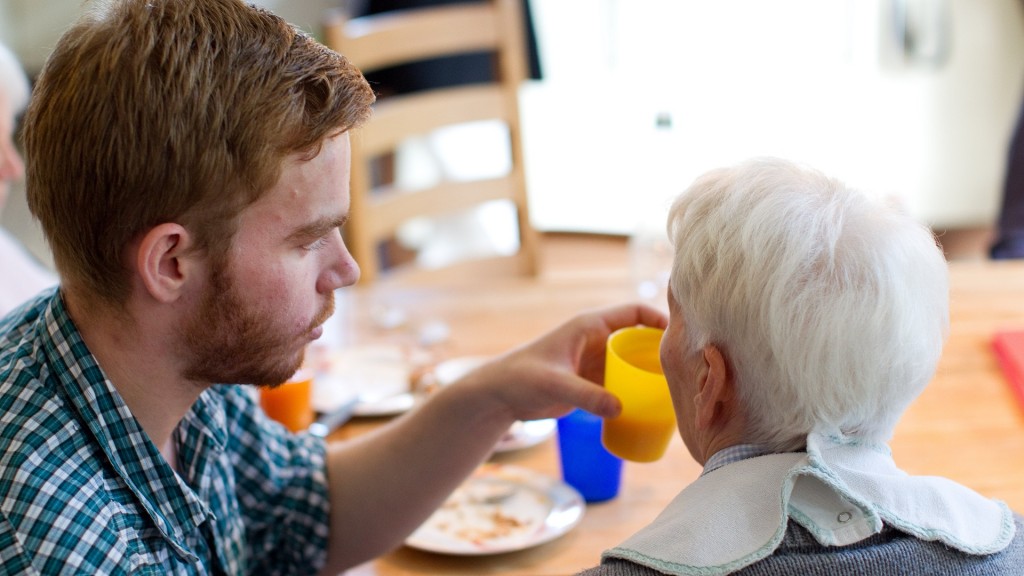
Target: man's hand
(561, 370)
(408, 467)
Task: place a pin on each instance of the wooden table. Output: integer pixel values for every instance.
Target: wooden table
(966, 426)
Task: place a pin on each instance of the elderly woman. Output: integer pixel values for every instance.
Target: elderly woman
(22, 277)
(804, 319)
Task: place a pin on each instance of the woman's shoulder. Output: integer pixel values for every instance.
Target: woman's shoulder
(886, 553)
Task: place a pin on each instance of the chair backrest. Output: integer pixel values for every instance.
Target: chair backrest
(379, 205)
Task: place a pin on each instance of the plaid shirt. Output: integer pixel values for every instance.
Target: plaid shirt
(732, 454)
(84, 491)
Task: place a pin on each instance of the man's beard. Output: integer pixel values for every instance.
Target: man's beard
(227, 342)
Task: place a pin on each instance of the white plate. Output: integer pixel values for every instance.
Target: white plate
(454, 368)
(381, 372)
(526, 434)
(500, 509)
(388, 406)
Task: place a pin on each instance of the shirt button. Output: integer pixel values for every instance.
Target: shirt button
(844, 517)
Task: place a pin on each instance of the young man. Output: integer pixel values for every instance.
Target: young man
(188, 160)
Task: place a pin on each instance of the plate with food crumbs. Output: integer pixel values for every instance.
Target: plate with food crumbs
(500, 508)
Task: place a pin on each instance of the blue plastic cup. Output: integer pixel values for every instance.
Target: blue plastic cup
(586, 465)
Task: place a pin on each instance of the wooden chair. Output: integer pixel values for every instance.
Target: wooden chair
(380, 41)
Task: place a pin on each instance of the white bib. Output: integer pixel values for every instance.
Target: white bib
(840, 490)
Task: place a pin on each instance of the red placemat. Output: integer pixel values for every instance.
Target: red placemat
(1009, 347)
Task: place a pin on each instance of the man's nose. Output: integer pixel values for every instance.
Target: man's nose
(343, 271)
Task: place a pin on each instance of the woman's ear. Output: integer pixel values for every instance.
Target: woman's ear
(716, 395)
(164, 261)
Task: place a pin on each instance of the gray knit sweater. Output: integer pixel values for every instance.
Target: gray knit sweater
(888, 553)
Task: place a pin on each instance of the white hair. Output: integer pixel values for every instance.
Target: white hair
(13, 81)
(831, 308)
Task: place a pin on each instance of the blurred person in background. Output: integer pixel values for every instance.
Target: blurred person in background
(804, 317)
(21, 276)
(445, 71)
(1009, 238)
(1009, 230)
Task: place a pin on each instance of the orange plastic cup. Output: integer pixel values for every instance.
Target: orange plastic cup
(289, 403)
(642, 431)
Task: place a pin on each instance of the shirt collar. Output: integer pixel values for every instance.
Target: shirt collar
(732, 454)
(169, 501)
(842, 491)
(202, 432)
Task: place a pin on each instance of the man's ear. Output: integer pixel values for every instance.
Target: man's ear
(164, 262)
(716, 394)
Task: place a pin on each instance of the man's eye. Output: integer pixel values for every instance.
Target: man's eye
(317, 244)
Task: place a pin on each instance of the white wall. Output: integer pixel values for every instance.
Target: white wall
(814, 80)
(31, 27)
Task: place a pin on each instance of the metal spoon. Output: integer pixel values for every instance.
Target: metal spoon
(328, 422)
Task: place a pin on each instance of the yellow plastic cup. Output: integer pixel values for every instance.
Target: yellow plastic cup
(642, 431)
